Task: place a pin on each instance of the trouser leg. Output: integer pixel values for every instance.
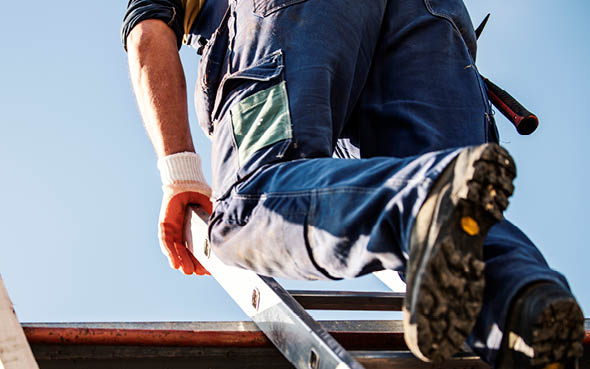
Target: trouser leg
(512, 262)
(425, 92)
(325, 218)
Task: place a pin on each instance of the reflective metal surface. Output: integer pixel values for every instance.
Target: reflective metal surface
(290, 328)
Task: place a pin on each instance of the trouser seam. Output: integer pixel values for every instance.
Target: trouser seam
(472, 65)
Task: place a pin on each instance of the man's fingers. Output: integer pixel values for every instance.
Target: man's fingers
(186, 262)
(168, 236)
(173, 257)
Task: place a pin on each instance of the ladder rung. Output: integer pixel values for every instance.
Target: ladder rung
(349, 300)
(405, 360)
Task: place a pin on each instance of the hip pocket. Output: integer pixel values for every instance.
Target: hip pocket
(257, 100)
(261, 120)
(252, 114)
(262, 8)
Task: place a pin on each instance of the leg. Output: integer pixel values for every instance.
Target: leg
(512, 263)
(424, 93)
(325, 218)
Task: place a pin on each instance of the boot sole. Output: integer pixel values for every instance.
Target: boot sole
(449, 295)
(557, 336)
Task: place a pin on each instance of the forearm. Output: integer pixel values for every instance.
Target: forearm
(160, 87)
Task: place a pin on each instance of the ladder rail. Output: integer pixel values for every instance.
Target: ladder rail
(272, 308)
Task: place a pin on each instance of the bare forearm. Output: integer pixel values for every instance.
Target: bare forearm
(160, 88)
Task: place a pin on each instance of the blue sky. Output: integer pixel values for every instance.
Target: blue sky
(81, 193)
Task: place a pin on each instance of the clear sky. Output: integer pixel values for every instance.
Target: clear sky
(80, 192)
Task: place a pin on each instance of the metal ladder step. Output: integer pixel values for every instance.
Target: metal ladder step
(348, 300)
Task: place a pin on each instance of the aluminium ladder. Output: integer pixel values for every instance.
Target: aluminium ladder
(281, 314)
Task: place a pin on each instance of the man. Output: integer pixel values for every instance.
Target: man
(350, 137)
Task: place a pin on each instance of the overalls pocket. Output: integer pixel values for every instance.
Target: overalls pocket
(262, 8)
(253, 106)
(258, 105)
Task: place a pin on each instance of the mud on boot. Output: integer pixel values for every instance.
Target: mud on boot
(445, 274)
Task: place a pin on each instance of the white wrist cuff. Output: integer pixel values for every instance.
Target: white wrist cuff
(181, 168)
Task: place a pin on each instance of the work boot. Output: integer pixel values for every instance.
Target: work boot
(544, 330)
(445, 274)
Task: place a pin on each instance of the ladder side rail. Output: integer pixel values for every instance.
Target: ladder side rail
(282, 319)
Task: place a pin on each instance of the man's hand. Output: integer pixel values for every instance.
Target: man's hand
(171, 224)
(184, 185)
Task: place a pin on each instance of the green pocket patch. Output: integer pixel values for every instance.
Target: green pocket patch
(261, 120)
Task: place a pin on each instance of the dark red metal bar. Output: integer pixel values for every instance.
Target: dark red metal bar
(353, 335)
(136, 337)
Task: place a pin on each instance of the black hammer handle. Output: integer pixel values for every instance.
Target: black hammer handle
(524, 121)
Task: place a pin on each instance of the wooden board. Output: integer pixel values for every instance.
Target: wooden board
(15, 352)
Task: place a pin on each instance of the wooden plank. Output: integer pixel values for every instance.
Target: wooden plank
(15, 352)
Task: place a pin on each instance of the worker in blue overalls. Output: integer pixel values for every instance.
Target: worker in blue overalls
(351, 137)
